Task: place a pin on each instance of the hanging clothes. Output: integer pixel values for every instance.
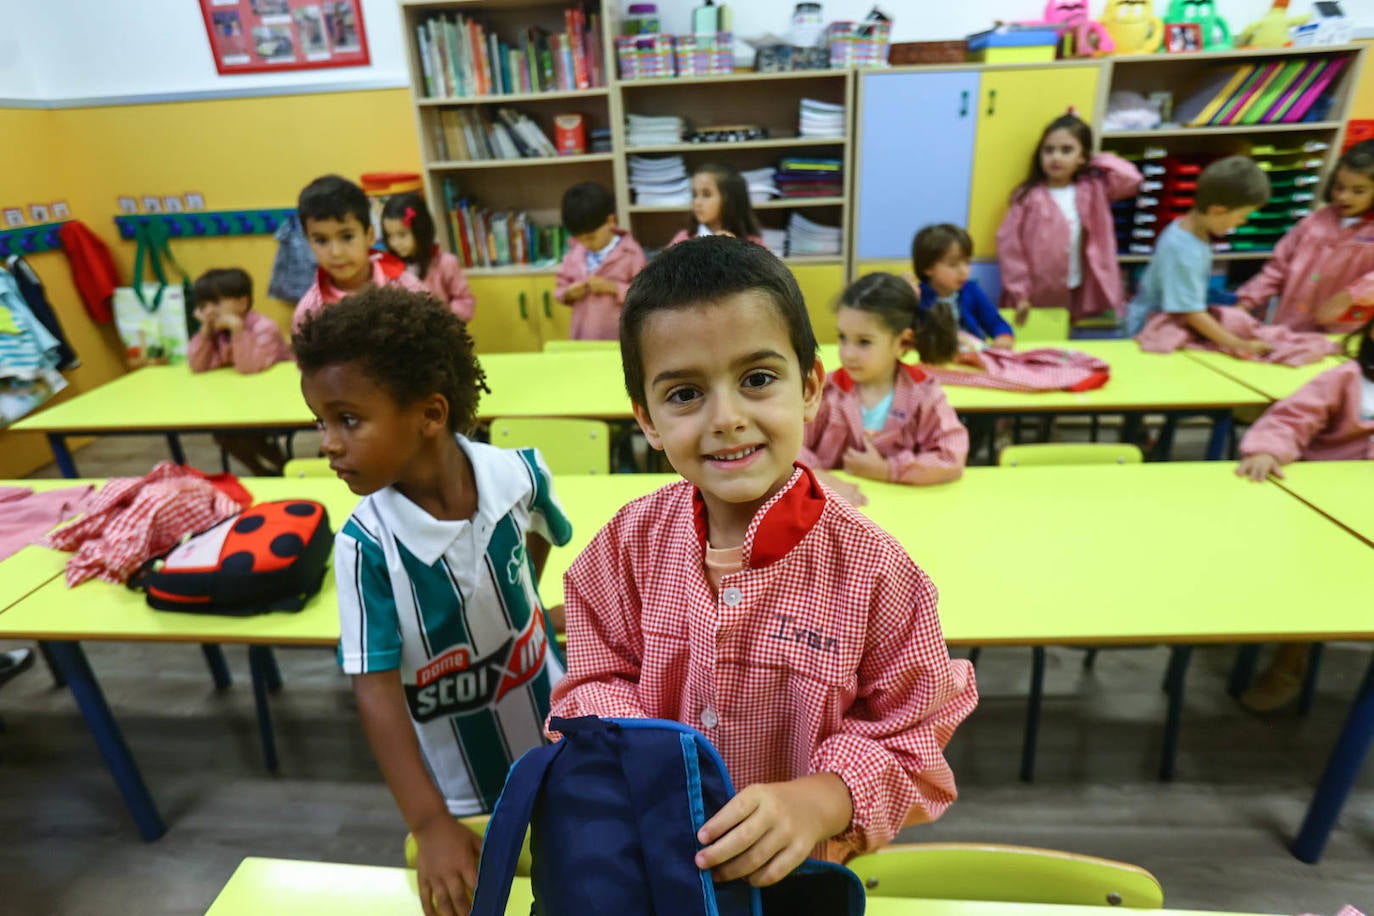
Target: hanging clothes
(293, 270)
(93, 269)
(28, 358)
(31, 288)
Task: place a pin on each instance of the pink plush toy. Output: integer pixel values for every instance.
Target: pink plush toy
(1071, 17)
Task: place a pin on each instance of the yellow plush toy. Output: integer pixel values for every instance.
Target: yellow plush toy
(1133, 26)
(1271, 29)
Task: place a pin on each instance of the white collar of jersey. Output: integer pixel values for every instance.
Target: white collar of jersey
(502, 481)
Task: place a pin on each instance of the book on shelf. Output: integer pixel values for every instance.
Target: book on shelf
(461, 58)
(1273, 92)
(482, 237)
(468, 134)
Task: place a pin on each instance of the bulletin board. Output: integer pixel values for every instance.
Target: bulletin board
(264, 36)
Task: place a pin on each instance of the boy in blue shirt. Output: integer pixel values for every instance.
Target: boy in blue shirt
(1175, 281)
(440, 622)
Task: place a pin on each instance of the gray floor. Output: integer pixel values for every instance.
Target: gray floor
(1215, 837)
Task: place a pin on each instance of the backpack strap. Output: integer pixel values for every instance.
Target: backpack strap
(506, 830)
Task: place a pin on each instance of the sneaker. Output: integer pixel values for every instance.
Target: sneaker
(14, 662)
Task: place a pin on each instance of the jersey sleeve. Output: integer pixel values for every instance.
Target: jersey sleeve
(369, 629)
(547, 518)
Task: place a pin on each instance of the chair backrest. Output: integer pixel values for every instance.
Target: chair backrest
(1012, 874)
(1048, 325)
(579, 346)
(568, 446)
(307, 467)
(1068, 453)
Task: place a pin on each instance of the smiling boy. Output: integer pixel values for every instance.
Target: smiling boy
(748, 600)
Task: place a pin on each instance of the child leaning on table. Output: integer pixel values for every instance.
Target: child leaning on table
(232, 334)
(750, 601)
(440, 621)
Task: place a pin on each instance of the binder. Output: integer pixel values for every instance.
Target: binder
(1271, 91)
(1309, 97)
(1251, 95)
(1199, 108)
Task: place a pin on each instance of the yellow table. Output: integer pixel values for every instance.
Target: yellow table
(1341, 490)
(30, 567)
(261, 885)
(1273, 381)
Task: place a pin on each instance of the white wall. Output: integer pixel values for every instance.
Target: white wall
(71, 50)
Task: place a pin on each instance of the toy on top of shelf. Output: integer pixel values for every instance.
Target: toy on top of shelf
(1087, 38)
(1271, 29)
(1133, 26)
(1216, 36)
(1331, 28)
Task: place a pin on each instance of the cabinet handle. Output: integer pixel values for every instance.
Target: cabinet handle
(524, 312)
(963, 104)
(992, 101)
(547, 312)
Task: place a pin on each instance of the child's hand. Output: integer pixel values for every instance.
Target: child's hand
(446, 859)
(1255, 348)
(602, 285)
(230, 322)
(866, 462)
(765, 831)
(1249, 305)
(1259, 467)
(575, 292)
(1023, 308)
(208, 316)
(1004, 342)
(1334, 307)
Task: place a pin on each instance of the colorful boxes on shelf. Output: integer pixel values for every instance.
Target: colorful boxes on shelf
(1013, 45)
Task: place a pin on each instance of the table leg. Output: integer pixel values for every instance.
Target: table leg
(219, 668)
(108, 739)
(62, 455)
(1037, 692)
(1243, 670)
(53, 668)
(174, 446)
(1309, 681)
(1221, 435)
(260, 662)
(272, 671)
(1179, 657)
(1342, 769)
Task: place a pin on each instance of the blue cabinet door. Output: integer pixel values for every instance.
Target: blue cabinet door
(915, 156)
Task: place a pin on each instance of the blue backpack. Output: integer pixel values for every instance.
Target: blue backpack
(613, 811)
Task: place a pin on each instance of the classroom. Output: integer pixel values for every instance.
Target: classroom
(389, 387)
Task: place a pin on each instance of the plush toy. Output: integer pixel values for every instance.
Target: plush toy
(1215, 35)
(1070, 17)
(1133, 26)
(1271, 29)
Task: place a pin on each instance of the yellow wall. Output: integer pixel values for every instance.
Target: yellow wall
(1363, 105)
(254, 152)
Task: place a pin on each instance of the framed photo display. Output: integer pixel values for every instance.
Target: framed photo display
(264, 36)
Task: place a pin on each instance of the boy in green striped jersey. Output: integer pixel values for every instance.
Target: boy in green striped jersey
(440, 621)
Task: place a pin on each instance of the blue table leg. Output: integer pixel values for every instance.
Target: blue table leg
(1221, 435)
(1037, 692)
(219, 668)
(57, 679)
(1243, 671)
(260, 662)
(1179, 657)
(272, 671)
(108, 739)
(174, 446)
(1309, 682)
(1342, 769)
(62, 455)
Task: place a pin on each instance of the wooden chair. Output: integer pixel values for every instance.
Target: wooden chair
(579, 346)
(568, 446)
(1066, 453)
(1042, 326)
(1012, 874)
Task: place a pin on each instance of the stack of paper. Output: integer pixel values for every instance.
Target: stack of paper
(660, 181)
(806, 237)
(646, 130)
(775, 240)
(821, 119)
(761, 186)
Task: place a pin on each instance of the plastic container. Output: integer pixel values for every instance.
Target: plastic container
(858, 44)
(808, 26)
(645, 57)
(640, 19)
(705, 55)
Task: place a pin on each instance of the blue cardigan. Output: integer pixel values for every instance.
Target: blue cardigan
(977, 314)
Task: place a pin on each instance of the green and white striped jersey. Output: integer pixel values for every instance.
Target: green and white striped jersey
(453, 606)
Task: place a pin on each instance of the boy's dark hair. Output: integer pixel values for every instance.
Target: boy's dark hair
(1036, 177)
(333, 197)
(736, 213)
(1233, 182)
(1359, 158)
(586, 207)
(930, 243)
(936, 333)
(887, 297)
(223, 283)
(410, 209)
(703, 271)
(406, 342)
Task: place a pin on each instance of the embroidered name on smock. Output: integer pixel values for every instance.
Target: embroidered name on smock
(789, 631)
